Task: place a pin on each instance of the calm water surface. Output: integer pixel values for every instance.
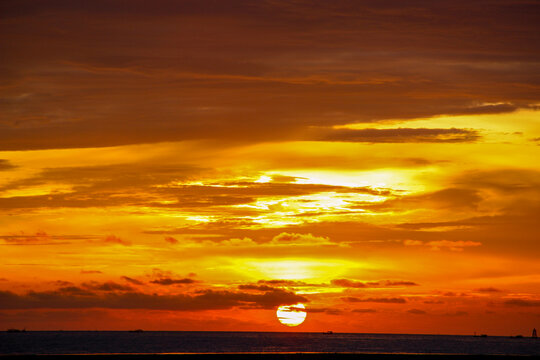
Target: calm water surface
(152, 342)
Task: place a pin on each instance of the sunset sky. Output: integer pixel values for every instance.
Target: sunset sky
(194, 164)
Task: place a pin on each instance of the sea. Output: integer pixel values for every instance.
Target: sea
(182, 342)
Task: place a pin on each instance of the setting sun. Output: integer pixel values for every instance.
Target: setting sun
(291, 315)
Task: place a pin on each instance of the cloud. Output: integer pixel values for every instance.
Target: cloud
(42, 238)
(256, 287)
(503, 180)
(488, 290)
(490, 108)
(471, 230)
(352, 284)
(108, 177)
(266, 285)
(132, 280)
(353, 299)
(39, 237)
(299, 239)
(426, 68)
(171, 240)
(450, 198)
(76, 298)
(456, 245)
(74, 291)
(169, 281)
(416, 312)
(399, 283)
(86, 272)
(301, 74)
(402, 135)
(108, 185)
(364, 311)
(470, 222)
(373, 284)
(113, 239)
(6, 165)
(235, 242)
(159, 186)
(284, 282)
(328, 311)
(452, 245)
(516, 218)
(106, 286)
(522, 303)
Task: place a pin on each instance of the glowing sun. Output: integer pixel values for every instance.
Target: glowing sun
(291, 315)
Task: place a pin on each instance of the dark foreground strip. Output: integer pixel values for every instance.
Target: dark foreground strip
(261, 356)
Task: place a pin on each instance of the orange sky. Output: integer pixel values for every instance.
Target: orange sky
(193, 165)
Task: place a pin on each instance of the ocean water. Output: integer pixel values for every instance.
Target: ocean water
(155, 342)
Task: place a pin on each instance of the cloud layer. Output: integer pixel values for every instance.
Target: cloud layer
(250, 72)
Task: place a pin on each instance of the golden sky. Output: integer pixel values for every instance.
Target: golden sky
(194, 165)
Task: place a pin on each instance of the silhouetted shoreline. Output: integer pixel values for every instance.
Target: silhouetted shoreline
(265, 356)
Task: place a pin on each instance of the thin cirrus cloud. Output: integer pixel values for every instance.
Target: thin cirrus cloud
(402, 135)
(132, 280)
(169, 281)
(256, 287)
(89, 272)
(346, 283)
(42, 238)
(382, 300)
(488, 290)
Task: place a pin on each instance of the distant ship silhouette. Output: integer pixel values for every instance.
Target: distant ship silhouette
(16, 330)
(534, 335)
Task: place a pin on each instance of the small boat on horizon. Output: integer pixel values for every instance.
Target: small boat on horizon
(16, 330)
(136, 331)
(329, 332)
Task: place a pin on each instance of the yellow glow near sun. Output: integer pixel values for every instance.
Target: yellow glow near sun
(263, 179)
(291, 315)
(287, 269)
(313, 202)
(296, 269)
(199, 219)
(376, 179)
